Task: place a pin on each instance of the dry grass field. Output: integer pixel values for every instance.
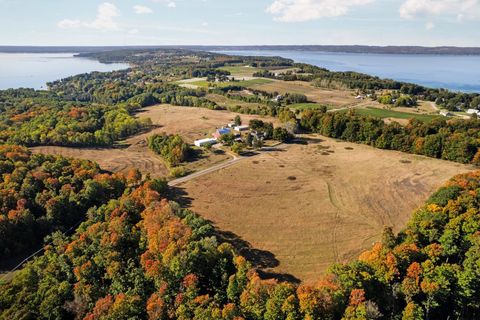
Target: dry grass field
(337, 98)
(310, 205)
(190, 123)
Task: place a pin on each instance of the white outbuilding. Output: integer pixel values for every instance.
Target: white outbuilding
(205, 142)
(241, 128)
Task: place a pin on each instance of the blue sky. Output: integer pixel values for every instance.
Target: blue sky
(241, 22)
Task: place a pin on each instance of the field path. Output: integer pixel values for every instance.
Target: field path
(334, 202)
(195, 175)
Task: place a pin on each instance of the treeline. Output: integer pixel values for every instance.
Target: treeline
(142, 257)
(30, 117)
(172, 148)
(456, 140)
(40, 194)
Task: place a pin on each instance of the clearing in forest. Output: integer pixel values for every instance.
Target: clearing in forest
(190, 123)
(305, 206)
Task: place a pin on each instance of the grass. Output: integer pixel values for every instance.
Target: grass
(245, 83)
(385, 113)
(240, 71)
(305, 206)
(230, 103)
(305, 106)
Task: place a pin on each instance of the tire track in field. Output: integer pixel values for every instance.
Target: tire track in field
(334, 201)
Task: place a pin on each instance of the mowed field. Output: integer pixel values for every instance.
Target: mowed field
(306, 206)
(190, 123)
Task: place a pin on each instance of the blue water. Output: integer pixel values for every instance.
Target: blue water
(457, 73)
(27, 70)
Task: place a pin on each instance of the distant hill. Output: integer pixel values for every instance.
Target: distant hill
(447, 50)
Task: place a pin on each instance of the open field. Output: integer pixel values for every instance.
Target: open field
(423, 107)
(230, 103)
(393, 114)
(241, 83)
(190, 123)
(240, 71)
(306, 106)
(331, 97)
(306, 206)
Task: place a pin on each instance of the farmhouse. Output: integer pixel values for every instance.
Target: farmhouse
(220, 132)
(205, 142)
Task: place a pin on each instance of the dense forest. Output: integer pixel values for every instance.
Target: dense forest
(453, 140)
(40, 194)
(30, 117)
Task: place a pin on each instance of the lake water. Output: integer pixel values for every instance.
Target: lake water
(29, 70)
(457, 73)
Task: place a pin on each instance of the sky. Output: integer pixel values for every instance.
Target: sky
(240, 22)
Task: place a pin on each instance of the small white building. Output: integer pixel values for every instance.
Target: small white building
(205, 142)
(446, 113)
(473, 111)
(241, 128)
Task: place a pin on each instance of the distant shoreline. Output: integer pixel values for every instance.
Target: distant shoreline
(445, 50)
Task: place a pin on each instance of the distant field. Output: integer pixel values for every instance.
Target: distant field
(330, 97)
(386, 113)
(241, 71)
(224, 101)
(244, 83)
(305, 106)
(190, 123)
(307, 206)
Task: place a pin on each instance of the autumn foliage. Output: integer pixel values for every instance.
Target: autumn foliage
(140, 256)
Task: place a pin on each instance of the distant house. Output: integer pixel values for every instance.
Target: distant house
(220, 132)
(241, 128)
(360, 97)
(473, 111)
(205, 142)
(446, 113)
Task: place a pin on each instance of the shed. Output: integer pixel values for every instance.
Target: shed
(205, 142)
(241, 128)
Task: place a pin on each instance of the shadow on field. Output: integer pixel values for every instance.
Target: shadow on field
(180, 196)
(261, 260)
(307, 140)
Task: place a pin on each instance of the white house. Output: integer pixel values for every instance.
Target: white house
(241, 128)
(446, 113)
(473, 111)
(205, 142)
